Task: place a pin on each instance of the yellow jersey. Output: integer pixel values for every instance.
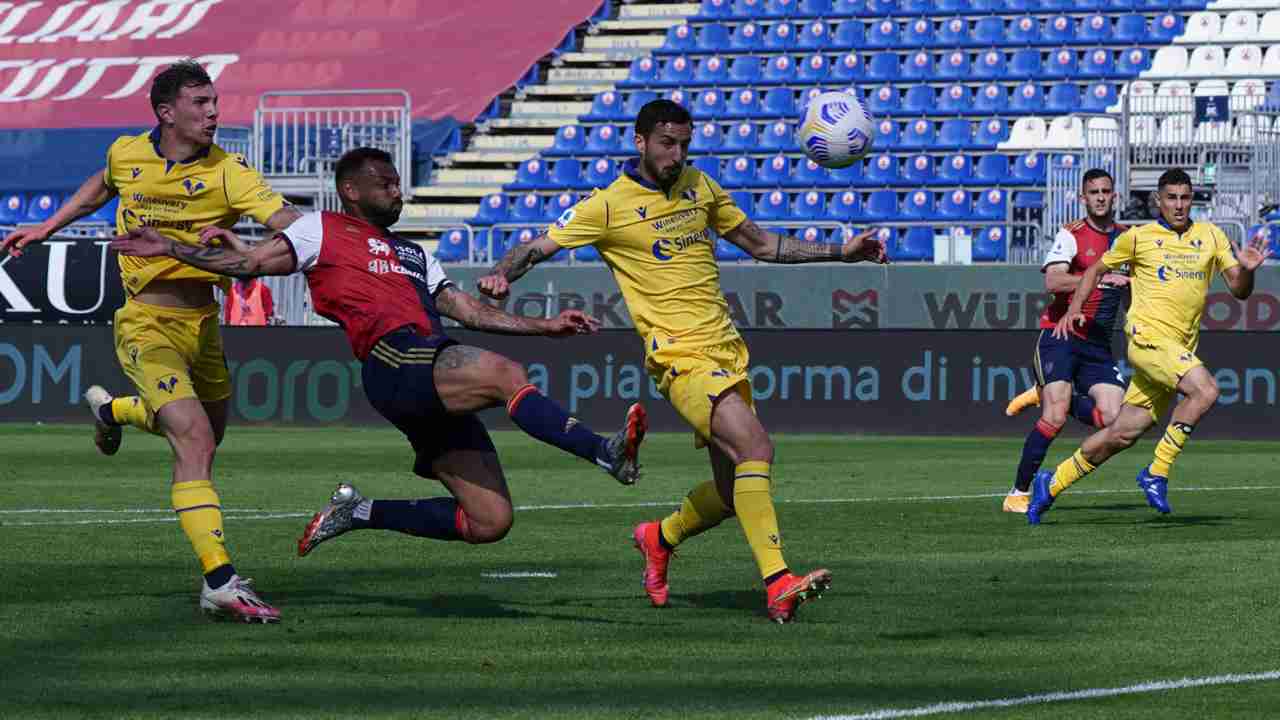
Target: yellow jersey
(1170, 276)
(661, 249)
(179, 199)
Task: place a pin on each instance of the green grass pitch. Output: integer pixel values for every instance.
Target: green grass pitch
(937, 597)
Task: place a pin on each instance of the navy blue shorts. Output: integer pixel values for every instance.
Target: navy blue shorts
(1083, 364)
(399, 380)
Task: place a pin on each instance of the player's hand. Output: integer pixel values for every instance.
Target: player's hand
(1063, 329)
(572, 322)
(865, 246)
(14, 242)
(214, 235)
(1115, 280)
(141, 242)
(494, 286)
(1252, 255)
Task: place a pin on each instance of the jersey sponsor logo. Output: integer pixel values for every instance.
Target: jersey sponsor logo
(135, 172)
(382, 267)
(1166, 273)
(642, 211)
(665, 248)
(193, 186)
(379, 247)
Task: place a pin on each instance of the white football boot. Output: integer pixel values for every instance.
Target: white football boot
(106, 437)
(237, 600)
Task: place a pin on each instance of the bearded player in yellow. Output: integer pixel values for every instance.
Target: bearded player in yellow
(175, 179)
(1172, 263)
(655, 227)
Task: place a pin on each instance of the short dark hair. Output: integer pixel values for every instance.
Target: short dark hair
(353, 161)
(1096, 174)
(1176, 176)
(655, 112)
(167, 85)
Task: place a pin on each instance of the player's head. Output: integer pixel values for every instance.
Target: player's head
(1098, 193)
(369, 186)
(185, 102)
(1173, 197)
(663, 132)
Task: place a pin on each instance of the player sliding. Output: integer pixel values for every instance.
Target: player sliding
(388, 294)
(1172, 262)
(654, 226)
(1075, 374)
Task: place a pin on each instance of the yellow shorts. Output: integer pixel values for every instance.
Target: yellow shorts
(172, 353)
(693, 377)
(1158, 365)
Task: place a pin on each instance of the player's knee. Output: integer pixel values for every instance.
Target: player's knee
(1054, 414)
(510, 376)
(196, 443)
(486, 527)
(1209, 394)
(1123, 438)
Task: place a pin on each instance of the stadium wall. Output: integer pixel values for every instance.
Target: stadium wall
(900, 382)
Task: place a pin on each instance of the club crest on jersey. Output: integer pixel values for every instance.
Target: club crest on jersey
(379, 247)
(242, 162)
(168, 384)
(642, 211)
(691, 195)
(193, 186)
(136, 172)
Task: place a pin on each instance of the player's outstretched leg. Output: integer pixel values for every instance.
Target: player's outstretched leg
(333, 520)
(237, 600)
(106, 431)
(1155, 488)
(544, 419)
(1027, 398)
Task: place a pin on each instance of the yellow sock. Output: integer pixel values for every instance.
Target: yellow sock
(701, 510)
(132, 411)
(1175, 437)
(200, 515)
(754, 506)
(1071, 470)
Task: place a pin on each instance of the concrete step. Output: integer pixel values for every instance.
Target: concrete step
(462, 176)
(606, 43)
(633, 24)
(508, 143)
(530, 108)
(481, 158)
(617, 55)
(467, 190)
(532, 123)
(631, 12)
(567, 89)
(427, 211)
(585, 75)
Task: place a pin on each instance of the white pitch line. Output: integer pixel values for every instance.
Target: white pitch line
(948, 708)
(261, 514)
(517, 575)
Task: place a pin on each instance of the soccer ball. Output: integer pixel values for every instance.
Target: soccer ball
(835, 129)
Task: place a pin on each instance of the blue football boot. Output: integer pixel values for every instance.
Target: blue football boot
(1156, 489)
(1041, 498)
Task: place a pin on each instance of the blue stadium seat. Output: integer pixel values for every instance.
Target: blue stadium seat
(810, 206)
(986, 7)
(845, 206)
(992, 205)
(991, 170)
(740, 172)
(779, 8)
(1061, 64)
(1028, 200)
(1020, 6)
(679, 96)
(1098, 97)
(952, 7)
(745, 70)
(919, 135)
(814, 36)
(1063, 99)
(600, 173)
(728, 252)
(1132, 61)
(557, 206)
(987, 32)
(746, 9)
(644, 72)
(991, 132)
(741, 138)
(850, 8)
(40, 207)
(882, 8)
(955, 170)
(918, 170)
(711, 70)
(605, 107)
(1026, 99)
(773, 206)
(528, 209)
(1165, 28)
(990, 65)
(493, 209)
(1117, 6)
(587, 254)
(808, 173)
(779, 137)
(1024, 65)
(779, 38)
(1027, 169)
(104, 214)
(955, 134)
(918, 205)
(1023, 30)
(12, 208)
(848, 176)
(883, 67)
(954, 66)
(810, 233)
(531, 174)
(680, 39)
(849, 35)
(712, 38)
(637, 100)
(1056, 6)
(813, 8)
(953, 33)
(917, 34)
(1130, 29)
(812, 70)
(707, 105)
(774, 172)
(1098, 62)
(881, 205)
(745, 38)
(1057, 30)
(991, 99)
(955, 100)
(570, 140)
(743, 103)
(780, 70)
(912, 8)
(918, 66)
(848, 69)
(709, 166)
(454, 246)
(604, 140)
(883, 100)
(882, 170)
(989, 244)
(707, 138)
(715, 9)
(676, 71)
(882, 35)
(887, 134)
(1094, 30)
(743, 200)
(915, 244)
(919, 100)
(956, 205)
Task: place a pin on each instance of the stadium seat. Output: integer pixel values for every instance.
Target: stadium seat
(919, 135)
(1020, 6)
(677, 96)
(809, 206)
(676, 72)
(744, 70)
(1028, 200)
(881, 205)
(883, 67)
(913, 8)
(883, 100)
(707, 138)
(991, 133)
(1098, 63)
(918, 205)
(779, 8)
(1094, 30)
(605, 107)
(454, 246)
(644, 73)
(917, 67)
(774, 172)
(881, 8)
(919, 100)
(587, 254)
(680, 39)
(1243, 60)
(745, 39)
(1250, 93)
(882, 35)
(1269, 27)
(709, 166)
(1028, 133)
(987, 32)
(747, 9)
(916, 244)
(992, 170)
(779, 137)
(955, 100)
(990, 66)
(1176, 130)
(917, 34)
(848, 176)
(1208, 60)
(743, 103)
(637, 100)
(1118, 6)
(779, 38)
(1023, 30)
(708, 105)
(779, 102)
(1063, 98)
(886, 134)
(493, 210)
(953, 66)
(728, 252)
(1058, 30)
(604, 140)
(530, 175)
(1271, 61)
(780, 70)
(845, 206)
(528, 209)
(1061, 64)
(849, 35)
(12, 208)
(713, 38)
(1203, 27)
(105, 214)
(882, 170)
(600, 173)
(955, 205)
(808, 173)
(1132, 61)
(955, 134)
(558, 205)
(992, 205)
(989, 244)
(1165, 28)
(773, 206)
(715, 9)
(813, 9)
(570, 140)
(741, 139)
(918, 170)
(1024, 65)
(740, 172)
(955, 170)
(1028, 169)
(1026, 99)
(953, 33)
(711, 70)
(847, 70)
(812, 70)
(954, 7)
(1130, 30)
(991, 99)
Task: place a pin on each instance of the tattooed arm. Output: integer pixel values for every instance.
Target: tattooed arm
(231, 256)
(515, 264)
(771, 247)
(456, 304)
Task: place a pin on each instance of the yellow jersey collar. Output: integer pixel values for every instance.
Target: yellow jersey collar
(631, 169)
(1160, 221)
(154, 136)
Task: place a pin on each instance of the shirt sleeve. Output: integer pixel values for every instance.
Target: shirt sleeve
(247, 191)
(725, 213)
(583, 224)
(436, 279)
(1223, 255)
(1123, 250)
(109, 174)
(305, 236)
(1063, 250)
